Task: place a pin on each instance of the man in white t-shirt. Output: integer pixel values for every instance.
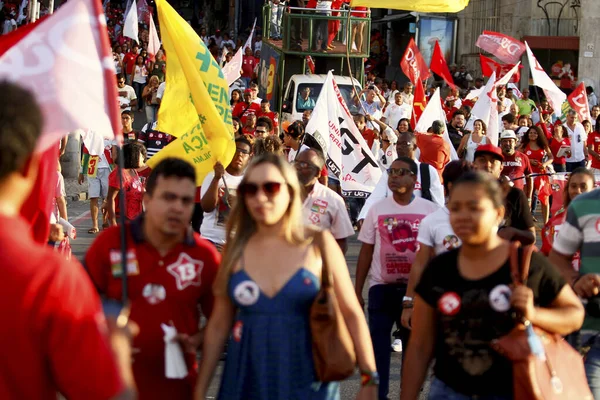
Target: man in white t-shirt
(436, 235)
(395, 112)
(578, 137)
(219, 191)
(322, 207)
(389, 237)
(160, 92)
(127, 97)
(406, 147)
(97, 168)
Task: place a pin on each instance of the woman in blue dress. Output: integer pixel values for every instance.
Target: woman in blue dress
(268, 281)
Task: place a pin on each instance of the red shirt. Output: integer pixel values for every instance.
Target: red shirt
(594, 141)
(161, 290)
(549, 232)
(435, 151)
(369, 136)
(129, 62)
(273, 116)
(516, 166)
(537, 155)
(248, 64)
(547, 128)
(555, 146)
(134, 192)
(53, 326)
(241, 110)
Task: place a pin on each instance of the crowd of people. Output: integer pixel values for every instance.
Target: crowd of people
(436, 240)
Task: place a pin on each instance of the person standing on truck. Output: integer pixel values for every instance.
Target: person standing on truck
(248, 64)
(320, 25)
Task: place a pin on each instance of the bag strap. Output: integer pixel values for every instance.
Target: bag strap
(425, 181)
(325, 273)
(519, 269)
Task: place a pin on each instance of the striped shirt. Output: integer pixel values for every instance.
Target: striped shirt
(581, 231)
(154, 140)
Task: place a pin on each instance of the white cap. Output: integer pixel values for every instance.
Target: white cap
(508, 134)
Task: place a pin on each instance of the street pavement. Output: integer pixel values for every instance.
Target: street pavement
(79, 216)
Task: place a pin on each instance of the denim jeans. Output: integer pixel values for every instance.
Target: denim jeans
(276, 16)
(151, 110)
(440, 391)
(385, 308)
(592, 363)
(139, 87)
(355, 204)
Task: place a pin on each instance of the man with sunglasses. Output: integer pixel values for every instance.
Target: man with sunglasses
(389, 237)
(219, 190)
(406, 147)
(127, 97)
(322, 207)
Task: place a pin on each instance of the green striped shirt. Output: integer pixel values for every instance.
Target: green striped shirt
(581, 231)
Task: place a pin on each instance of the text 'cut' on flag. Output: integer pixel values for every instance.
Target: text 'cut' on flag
(195, 107)
(348, 154)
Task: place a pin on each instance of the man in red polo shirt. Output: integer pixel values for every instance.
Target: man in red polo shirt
(246, 107)
(593, 143)
(516, 164)
(170, 272)
(53, 329)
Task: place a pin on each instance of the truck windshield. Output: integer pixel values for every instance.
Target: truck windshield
(308, 93)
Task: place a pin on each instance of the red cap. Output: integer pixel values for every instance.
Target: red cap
(248, 91)
(490, 149)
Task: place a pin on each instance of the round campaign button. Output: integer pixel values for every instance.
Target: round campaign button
(500, 298)
(154, 293)
(449, 303)
(246, 293)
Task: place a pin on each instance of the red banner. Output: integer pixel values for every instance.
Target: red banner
(419, 103)
(506, 48)
(413, 65)
(310, 63)
(488, 66)
(579, 102)
(439, 66)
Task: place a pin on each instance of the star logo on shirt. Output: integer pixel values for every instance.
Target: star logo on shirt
(186, 271)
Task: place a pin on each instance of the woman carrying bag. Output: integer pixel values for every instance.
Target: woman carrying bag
(466, 302)
(265, 302)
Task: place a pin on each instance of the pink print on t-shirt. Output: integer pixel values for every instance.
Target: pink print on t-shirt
(399, 245)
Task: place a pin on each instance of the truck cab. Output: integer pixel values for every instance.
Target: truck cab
(293, 106)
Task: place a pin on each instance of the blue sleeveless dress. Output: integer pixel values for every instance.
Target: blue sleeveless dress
(269, 355)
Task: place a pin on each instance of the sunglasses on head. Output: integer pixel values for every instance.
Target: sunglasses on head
(399, 172)
(268, 188)
(305, 165)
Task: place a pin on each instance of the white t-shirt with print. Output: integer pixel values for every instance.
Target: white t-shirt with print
(435, 231)
(126, 96)
(326, 209)
(393, 229)
(394, 113)
(213, 224)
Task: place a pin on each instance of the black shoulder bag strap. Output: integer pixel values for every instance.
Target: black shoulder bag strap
(425, 182)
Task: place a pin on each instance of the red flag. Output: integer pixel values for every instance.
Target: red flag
(81, 73)
(439, 66)
(506, 48)
(578, 100)
(489, 66)
(413, 65)
(311, 64)
(419, 103)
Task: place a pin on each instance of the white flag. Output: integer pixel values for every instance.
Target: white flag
(555, 96)
(348, 155)
(153, 40)
(232, 69)
(486, 109)
(131, 23)
(434, 112)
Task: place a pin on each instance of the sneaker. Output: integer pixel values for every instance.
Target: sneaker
(397, 345)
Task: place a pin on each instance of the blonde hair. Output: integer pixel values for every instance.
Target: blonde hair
(241, 226)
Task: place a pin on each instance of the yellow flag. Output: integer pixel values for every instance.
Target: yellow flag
(450, 6)
(195, 106)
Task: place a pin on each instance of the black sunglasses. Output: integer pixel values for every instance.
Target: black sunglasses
(399, 172)
(251, 189)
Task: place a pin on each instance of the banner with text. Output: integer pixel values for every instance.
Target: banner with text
(348, 155)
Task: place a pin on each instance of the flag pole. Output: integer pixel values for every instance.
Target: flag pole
(348, 47)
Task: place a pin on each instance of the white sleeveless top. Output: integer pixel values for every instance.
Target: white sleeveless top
(472, 146)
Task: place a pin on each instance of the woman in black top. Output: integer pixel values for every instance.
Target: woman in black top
(465, 300)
